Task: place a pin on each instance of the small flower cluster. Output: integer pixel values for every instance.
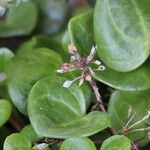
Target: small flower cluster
(80, 63)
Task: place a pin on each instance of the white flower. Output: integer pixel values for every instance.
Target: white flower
(97, 62)
(67, 84)
(60, 71)
(101, 68)
(42, 146)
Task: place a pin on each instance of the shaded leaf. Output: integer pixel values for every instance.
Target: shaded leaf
(17, 141)
(5, 111)
(77, 143)
(136, 80)
(26, 69)
(81, 32)
(41, 41)
(52, 15)
(30, 134)
(5, 56)
(116, 142)
(10, 26)
(123, 105)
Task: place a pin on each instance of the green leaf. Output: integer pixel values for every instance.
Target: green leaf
(5, 111)
(17, 141)
(30, 134)
(65, 41)
(26, 69)
(19, 21)
(53, 15)
(41, 41)
(61, 111)
(134, 103)
(5, 56)
(81, 32)
(136, 80)
(121, 30)
(77, 143)
(85, 87)
(116, 142)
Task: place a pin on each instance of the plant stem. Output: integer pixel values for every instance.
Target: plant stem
(97, 94)
(15, 124)
(99, 100)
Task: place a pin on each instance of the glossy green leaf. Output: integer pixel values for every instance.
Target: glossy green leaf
(52, 15)
(77, 143)
(5, 111)
(66, 41)
(85, 87)
(26, 69)
(5, 56)
(30, 134)
(121, 30)
(116, 142)
(19, 21)
(134, 103)
(136, 80)
(81, 32)
(61, 111)
(41, 41)
(17, 141)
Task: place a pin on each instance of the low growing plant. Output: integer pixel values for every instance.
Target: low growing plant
(83, 87)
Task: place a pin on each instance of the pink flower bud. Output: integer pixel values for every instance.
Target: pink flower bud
(72, 49)
(66, 67)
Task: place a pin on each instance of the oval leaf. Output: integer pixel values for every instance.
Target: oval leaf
(61, 111)
(41, 41)
(65, 41)
(116, 142)
(10, 26)
(136, 80)
(121, 30)
(77, 143)
(5, 111)
(5, 56)
(81, 32)
(30, 134)
(26, 69)
(17, 141)
(125, 105)
(52, 15)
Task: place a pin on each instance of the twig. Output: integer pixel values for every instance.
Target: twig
(97, 94)
(99, 100)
